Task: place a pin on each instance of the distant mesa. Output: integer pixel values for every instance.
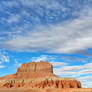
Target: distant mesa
(37, 75)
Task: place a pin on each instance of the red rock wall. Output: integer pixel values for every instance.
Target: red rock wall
(43, 84)
(33, 75)
(58, 84)
(37, 71)
(36, 67)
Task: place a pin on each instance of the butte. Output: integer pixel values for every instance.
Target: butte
(37, 75)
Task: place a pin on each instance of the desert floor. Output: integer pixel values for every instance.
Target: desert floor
(46, 90)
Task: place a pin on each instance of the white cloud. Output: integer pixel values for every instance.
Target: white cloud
(1, 66)
(4, 58)
(38, 59)
(86, 81)
(58, 63)
(86, 78)
(74, 70)
(68, 37)
(49, 58)
(71, 68)
(76, 59)
(47, 4)
(13, 18)
(9, 3)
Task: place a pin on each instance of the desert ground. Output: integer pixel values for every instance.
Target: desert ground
(47, 90)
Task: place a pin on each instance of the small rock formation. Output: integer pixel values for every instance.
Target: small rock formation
(37, 75)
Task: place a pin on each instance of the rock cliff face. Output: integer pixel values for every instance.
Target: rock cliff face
(37, 75)
(58, 84)
(46, 83)
(35, 70)
(36, 67)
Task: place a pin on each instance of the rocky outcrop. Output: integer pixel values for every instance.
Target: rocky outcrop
(37, 75)
(36, 67)
(35, 70)
(32, 70)
(43, 84)
(58, 84)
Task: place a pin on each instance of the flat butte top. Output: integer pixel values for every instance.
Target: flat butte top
(36, 67)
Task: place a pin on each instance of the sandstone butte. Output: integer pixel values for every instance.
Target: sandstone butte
(37, 75)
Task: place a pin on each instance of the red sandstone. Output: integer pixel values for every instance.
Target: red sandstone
(37, 75)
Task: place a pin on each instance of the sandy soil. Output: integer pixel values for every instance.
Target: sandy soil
(68, 90)
(46, 90)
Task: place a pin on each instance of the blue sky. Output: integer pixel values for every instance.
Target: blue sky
(59, 31)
